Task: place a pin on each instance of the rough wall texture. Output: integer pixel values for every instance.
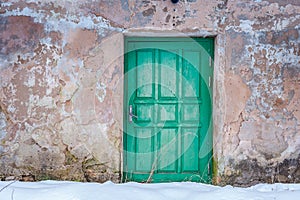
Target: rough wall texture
(61, 68)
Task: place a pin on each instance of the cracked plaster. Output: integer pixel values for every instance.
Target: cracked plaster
(61, 84)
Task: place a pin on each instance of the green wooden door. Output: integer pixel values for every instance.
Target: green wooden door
(168, 109)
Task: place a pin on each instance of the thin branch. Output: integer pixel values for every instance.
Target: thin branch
(12, 194)
(7, 185)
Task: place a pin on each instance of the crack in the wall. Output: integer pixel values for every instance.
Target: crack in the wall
(232, 131)
(240, 121)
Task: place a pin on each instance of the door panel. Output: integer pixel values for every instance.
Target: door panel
(168, 76)
(167, 154)
(190, 147)
(144, 144)
(167, 109)
(190, 74)
(144, 59)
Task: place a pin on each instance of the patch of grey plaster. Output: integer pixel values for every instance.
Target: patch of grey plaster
(47, 102)
(68, 66)
(63, 25)
(11, 108)
(4, 78)
(280, 55)
(292, 150)
(46, 41)
(31, 79)
(50, 80)
(71, 22)
(274, 55)
(68, 91)
(202, 33)
(38, 16)
(43, 137)
(245, 26)
(32, 102)
(81, 152)
(274, 86)
(125, 5)
(281, 24)
(3, 124)
(101, 91)
(6, 4)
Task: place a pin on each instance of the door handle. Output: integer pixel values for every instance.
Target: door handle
(131, 115)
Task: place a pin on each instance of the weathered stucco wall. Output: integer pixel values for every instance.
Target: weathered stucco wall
(61, 69)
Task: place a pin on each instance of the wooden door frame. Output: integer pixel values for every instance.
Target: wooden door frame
(218, 66)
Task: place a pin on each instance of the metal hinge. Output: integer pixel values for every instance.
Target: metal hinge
(210, 62)
(208, 169)
(209, 81)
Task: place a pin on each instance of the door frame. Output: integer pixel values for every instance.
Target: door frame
(161, 36)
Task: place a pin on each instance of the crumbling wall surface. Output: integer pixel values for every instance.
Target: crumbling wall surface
(59, 83)
(261, 129)
(61, 70)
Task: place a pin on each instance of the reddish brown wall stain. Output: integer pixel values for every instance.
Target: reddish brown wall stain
(19, 33)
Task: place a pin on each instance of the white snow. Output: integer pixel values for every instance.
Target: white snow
(62, 190)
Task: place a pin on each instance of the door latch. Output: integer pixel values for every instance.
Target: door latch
(208, 169)
(131, 115)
